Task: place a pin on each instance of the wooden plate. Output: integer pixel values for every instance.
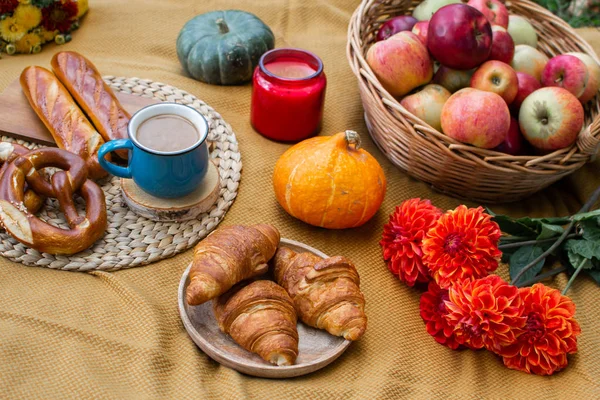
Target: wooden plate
(316, 348)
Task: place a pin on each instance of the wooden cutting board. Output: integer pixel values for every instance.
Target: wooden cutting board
(18, 120)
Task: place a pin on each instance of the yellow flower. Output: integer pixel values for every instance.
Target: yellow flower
(82, 7)
(24, 1)
(46, 35)
(10, 31)
(27, 43)
(28, 16)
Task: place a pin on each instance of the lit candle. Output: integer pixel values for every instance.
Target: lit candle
(290, 69)
(288, 95)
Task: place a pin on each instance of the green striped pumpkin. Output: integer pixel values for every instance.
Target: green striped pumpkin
(223, 47)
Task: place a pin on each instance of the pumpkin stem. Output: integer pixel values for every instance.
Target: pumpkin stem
(353, 138)
(223, 28)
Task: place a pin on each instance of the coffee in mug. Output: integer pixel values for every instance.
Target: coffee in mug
(168, 150)
(167, 133)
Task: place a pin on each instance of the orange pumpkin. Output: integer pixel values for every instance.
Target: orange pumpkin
(328, 181)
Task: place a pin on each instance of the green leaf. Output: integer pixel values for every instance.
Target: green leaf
(587, 215)
(576, 259)
(521, 258)
(595, 274)
(489, 211)
(585, 248)
(591, 230)
(550, 231)
(515, 227)
(42, 3)
(556, 220)
(573, 248)
(532, 223)
(507, 253)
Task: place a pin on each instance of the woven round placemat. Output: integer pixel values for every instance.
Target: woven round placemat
(131, 240)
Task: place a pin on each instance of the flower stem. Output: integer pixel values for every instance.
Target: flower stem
(543, 276)
(586, 207)
(577, 271)
(528, 242)
(545, 254)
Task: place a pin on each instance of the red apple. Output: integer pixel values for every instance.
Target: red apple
(459, 36)
(527, 85)
(503, 47)
(401, 63)
(476, 117)
(497, 77)
(514, 143)
(427, 104)
(395, 25)
(494, 11)
(567, 72)
(529, 60)
(420, 29)
(591, 89)
(551, 118)
(453, 79)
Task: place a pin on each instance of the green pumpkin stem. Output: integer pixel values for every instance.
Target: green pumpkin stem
(223, 28)
(353, 138)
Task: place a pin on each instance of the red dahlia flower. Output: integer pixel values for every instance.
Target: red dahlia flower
(402, 237)
(462, 244)
(433, 311)
(549, 334)
(485, 312)
(7, 6)
(59, 16)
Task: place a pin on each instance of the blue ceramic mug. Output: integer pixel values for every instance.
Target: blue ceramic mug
(159, 173)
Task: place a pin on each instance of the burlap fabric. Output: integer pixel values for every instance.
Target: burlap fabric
(118, 335)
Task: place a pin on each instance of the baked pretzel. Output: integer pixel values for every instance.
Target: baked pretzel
(8, 152)
(73, 178)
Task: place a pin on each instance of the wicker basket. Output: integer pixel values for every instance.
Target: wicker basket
(451, 167)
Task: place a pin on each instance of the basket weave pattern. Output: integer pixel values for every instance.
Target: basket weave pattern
(452, 167)
(131, 240)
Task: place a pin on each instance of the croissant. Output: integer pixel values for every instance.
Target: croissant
(229, 255)
(326, 292)
(261, 318)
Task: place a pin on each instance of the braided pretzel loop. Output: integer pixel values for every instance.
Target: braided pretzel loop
(8, 152)
(70, 179)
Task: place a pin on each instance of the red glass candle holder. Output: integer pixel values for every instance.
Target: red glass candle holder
(288, 94)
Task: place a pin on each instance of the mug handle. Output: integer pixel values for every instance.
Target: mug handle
(108, 147)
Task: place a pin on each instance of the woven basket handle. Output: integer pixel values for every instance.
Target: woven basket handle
(588, 143)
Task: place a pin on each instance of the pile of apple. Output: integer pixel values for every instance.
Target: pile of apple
(491, 88)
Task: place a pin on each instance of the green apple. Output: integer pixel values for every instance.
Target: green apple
(426, 9)
(521, 31)
(529, 60)
(427, 104)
